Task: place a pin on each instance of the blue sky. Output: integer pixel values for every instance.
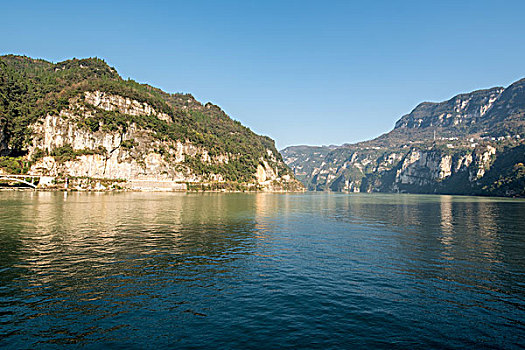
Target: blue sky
(302, 72)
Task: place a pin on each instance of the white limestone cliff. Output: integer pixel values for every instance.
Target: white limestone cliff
(134, 156)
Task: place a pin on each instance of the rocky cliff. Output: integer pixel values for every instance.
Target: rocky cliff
(79, 122)
(470, 144)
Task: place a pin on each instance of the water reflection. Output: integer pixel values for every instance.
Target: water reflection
(80, 249)
(278, 269)
(478, 222)
(447, 228)
(460, 239)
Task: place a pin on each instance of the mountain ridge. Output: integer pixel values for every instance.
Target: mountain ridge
(467, 133)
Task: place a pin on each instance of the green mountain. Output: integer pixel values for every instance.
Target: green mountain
(79, 119)
(470, 144)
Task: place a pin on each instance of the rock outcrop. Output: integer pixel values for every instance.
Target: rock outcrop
(464, 109)
(470, 144)
(89, 129)
(134, 155)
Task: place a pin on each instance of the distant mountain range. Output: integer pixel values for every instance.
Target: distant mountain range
(470, 144)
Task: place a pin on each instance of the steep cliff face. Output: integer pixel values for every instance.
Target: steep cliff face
(423, 170)
(470, 144)
(133, 154)
(461, 110)
(428, 170)
(134, 135)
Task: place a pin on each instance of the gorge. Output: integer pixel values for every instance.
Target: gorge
(471, 144)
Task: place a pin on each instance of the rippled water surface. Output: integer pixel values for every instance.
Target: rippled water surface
(151, 270)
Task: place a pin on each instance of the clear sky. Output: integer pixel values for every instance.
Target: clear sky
(302, 72)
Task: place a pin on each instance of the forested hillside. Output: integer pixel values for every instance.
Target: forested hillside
(95, 99)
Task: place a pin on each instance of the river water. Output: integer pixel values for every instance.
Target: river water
(181, 270)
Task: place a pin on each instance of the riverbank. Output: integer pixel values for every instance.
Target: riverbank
(88, 184)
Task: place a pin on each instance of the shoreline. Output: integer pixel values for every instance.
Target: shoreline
(23, 189)
(90, 184)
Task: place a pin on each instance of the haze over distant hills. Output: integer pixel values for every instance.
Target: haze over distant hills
(470, 144)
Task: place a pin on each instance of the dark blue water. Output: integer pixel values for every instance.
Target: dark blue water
(149, 270)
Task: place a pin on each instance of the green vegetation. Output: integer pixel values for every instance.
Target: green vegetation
(14, 165)
(220, 186)
(30, 89)
(128, 144)
(66, 153)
